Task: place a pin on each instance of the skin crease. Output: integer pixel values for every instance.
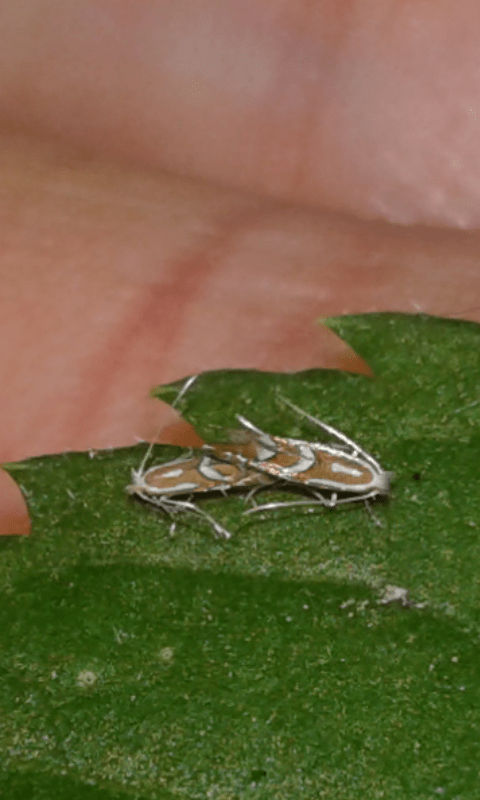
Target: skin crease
(192, 185)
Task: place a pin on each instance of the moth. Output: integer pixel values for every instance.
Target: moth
(174, 486)
(330, 473)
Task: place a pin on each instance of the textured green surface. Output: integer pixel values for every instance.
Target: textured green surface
(137, 664)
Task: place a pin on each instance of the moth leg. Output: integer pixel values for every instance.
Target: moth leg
(171, 507)
(372, 514)
(219, 530)
(318, 500)
(251, 494)
(329, 502)
(272, 484)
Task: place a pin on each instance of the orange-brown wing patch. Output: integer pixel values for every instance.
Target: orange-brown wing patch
(339, 469)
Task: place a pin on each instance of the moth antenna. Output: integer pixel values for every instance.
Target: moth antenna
(186, 386)
(249, 425)
(332, 502)
(288, 504)
(332, 431)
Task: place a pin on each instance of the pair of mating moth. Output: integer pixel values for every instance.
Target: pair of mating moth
(328, 474)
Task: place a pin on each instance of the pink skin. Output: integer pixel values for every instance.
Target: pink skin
(191, 185)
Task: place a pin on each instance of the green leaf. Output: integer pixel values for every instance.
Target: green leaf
(149, 665)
